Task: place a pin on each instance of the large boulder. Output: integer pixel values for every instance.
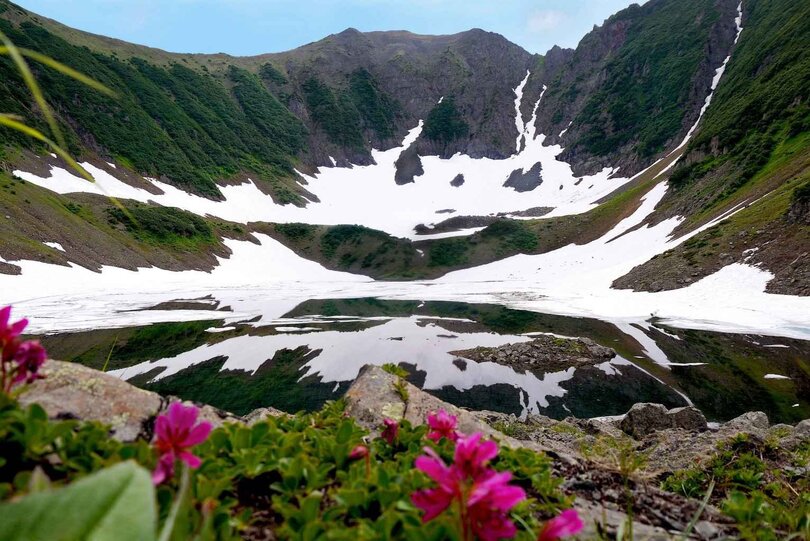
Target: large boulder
(749, 422)
(376, 394)
(644, 419)
(73, 391)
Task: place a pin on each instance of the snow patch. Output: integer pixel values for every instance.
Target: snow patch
(54, 245)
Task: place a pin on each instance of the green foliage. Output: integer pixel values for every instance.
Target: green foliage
(760, 104)
(448, 252)
(335, 113)
(445, 123)
(290, 475)
(513, 234)
(395, 370)
(377, 108)
(296, 231)
(341, 235)
(269, 72)
(166, 121)
(163, 225)
(757, 484)
(115, 504)
(266, 112)
(646, 84)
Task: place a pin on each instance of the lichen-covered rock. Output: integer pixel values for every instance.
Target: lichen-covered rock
(73, 391)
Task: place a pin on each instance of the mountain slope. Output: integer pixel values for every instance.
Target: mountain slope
(752, 150)
(374, 136)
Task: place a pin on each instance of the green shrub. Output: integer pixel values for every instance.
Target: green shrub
(290, 475)
(163, 225)
(445, 123)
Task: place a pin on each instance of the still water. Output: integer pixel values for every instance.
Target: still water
(312, 354)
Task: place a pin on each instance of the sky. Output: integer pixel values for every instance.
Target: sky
(249, 27)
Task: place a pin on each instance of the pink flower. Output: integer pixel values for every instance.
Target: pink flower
(19, 361)
(391, 430)
(361, 451)
(442, 425)
(472, 455)
(30, 356)
(175, 434)
(567, 523)
(485, 496)
(10, 332)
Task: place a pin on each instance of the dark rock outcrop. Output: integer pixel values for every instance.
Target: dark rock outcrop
(525, 181)
(543, 354)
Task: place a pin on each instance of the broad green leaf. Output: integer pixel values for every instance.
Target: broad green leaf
(115, 504)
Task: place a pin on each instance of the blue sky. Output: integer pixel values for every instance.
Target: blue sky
(246, 27)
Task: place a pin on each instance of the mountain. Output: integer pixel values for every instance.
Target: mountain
(668, 90)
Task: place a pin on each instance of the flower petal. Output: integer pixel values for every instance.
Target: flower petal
(191, 460)
(198, 434)
(432, 501)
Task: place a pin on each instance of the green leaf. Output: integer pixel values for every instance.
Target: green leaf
(115, 504)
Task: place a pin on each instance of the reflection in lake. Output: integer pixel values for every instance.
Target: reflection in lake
(313, 352)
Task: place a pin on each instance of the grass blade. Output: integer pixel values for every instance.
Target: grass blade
(33, 87)
(63, 69)
(12, 122)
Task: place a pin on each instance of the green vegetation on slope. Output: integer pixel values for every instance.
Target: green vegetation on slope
(334, 113)
(445, 123)
(758, 484)
(645, 86)
(761, 104)
(164, 225)
(170, 122)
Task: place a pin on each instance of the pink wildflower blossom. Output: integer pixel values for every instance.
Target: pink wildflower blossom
(391, 430)
(30, 356)
(442, 425)
(175, 434)
(20, 361)
(485, 496)
(567, 523)
(360, 451)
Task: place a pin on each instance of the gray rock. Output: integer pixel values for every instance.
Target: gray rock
(644, 419)
(73, 391)
(687, 418)
(747, 422)
(803, 429)
(373, 397)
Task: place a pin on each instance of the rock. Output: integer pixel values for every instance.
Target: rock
(73, 391)
(749, 421)
(687, 418)
(373, 396)
(644, 419)
(543, 354)
(262, 414)
(802, 429)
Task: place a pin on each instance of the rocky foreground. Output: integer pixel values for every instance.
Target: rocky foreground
(605, 462)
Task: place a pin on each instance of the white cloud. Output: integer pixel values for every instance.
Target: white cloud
(545, 20)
